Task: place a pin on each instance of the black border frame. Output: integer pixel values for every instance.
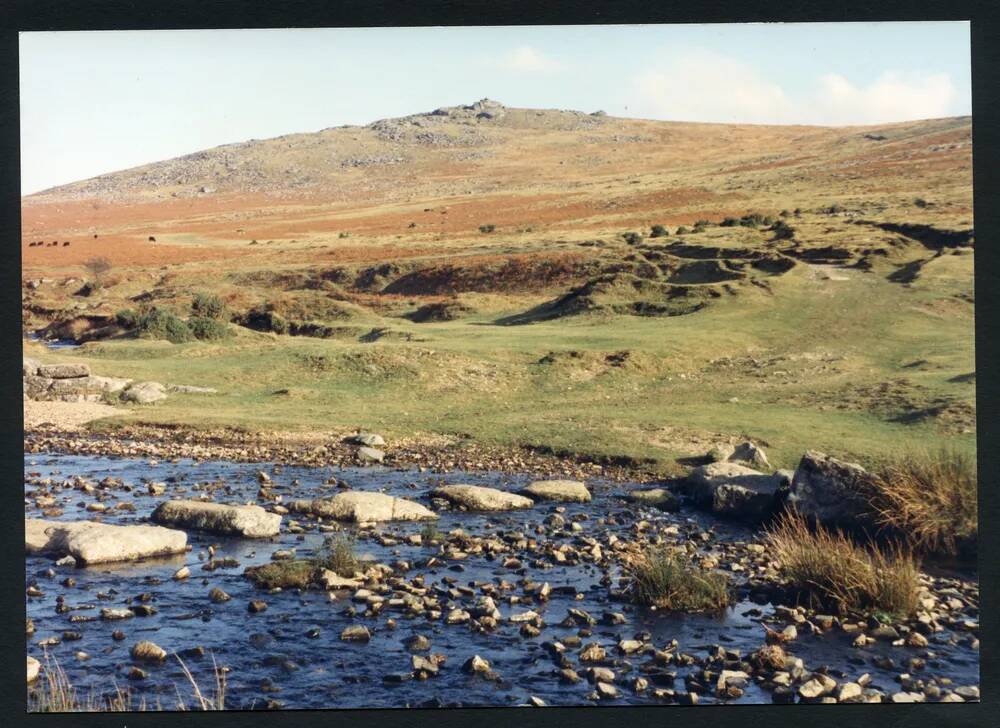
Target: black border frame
(27, 15)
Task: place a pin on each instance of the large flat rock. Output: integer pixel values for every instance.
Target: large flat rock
(90, 542)
(360, 506)
(63, 371)
(250, 521)
(479, 498)
(735, 490)
(569, 491)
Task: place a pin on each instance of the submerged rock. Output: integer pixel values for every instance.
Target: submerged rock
(361, 506)
(570, 491)
(90, 542)
(656, 497)
(479, 498)
(249, 521)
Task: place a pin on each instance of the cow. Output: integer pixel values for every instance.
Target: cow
(65, 243)
(152, 239)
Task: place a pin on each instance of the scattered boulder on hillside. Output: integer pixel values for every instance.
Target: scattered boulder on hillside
(748, 452)
(145, 393)
(657, 497)
(570, 491)
(358, 506)
(831, 491)
(89, 542)
(190, 389)
(479, 498)
(249, 521)
(735, 490)
(63, 371)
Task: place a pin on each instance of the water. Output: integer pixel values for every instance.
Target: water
(54, 344)
(270, 656)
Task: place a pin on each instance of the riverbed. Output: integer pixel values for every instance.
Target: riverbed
(291, 655)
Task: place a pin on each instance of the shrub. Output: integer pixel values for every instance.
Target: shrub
(920, 202)
(97, 267)
(487, 228)
(931, 499)
(632, 238)
(207, 305)
(343, 235)
(337, 555)
(784, 213)
(782, 230)
(798, 212)
(208, 329)
(658, 231)
(662, 579)
(159, 323)
(682, 230)
(834, 573)
(728, 222)
(127, 318)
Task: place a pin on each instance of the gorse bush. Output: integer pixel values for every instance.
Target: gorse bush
(154, 322)
(658, 231)
(207, 305)
(782, 230)
(632, 238)
(931, 499)
(487, 228)
(666, 580)
(208, 329)
(832, 572)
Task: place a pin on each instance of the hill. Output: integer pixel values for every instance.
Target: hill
(545, 278)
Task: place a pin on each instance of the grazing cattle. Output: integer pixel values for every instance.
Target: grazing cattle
(95, 236)
(65, 243)
(152, 239)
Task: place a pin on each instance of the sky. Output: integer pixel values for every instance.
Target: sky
(97, 102)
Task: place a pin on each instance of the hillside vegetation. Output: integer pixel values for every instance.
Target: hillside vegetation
(565, 281)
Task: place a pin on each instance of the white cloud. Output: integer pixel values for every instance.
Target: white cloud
(527, 59)
(706, 86)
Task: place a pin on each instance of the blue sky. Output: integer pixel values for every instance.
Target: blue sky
(96, 102)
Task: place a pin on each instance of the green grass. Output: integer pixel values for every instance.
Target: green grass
(816, 342)
(666, 580)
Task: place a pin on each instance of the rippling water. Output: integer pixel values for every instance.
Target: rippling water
(271, 656)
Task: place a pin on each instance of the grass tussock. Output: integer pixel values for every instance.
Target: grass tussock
(337, 555)
(54, 693)
(931, 499)
(665, 580)
(837, 574)
(292, 574)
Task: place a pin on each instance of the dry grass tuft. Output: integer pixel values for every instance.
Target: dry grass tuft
(838, 574)
(666, 580)
(54, 693)
(930, 498)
